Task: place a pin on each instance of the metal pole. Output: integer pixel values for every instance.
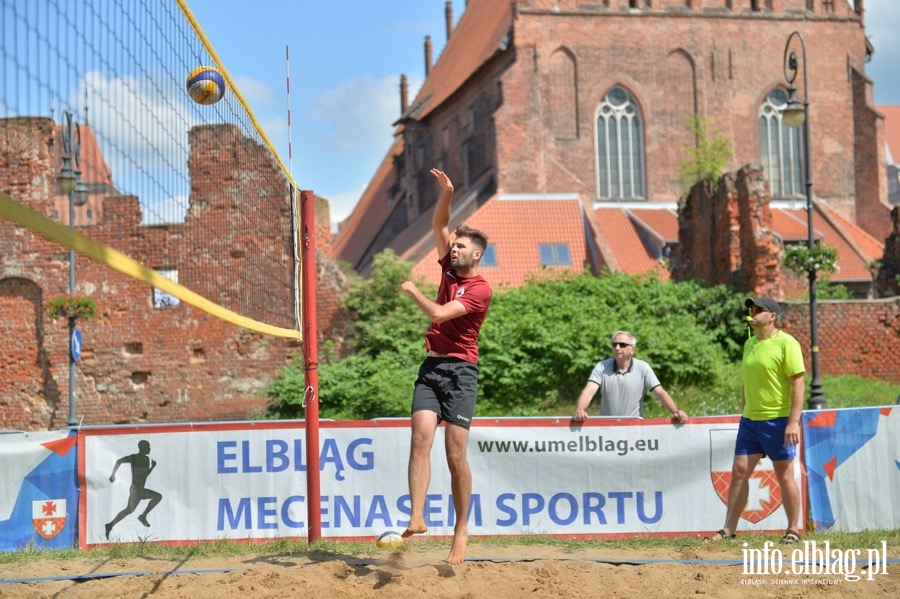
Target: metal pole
(816, 397)
(68, 181)
(72, 420)
(311, 359)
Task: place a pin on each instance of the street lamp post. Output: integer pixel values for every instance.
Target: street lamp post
(795, 115)
(68, 182)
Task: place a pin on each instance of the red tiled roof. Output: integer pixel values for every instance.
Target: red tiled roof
(516, 228)
(790, 225)
(480, 33)
(631, 254)
(664, 222)
(360, 228)
(873, 248)
(892, 130)
(851, 266)
(622, 225)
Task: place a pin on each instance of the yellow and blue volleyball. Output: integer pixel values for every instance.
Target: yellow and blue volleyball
(206, 85)
(389, 539)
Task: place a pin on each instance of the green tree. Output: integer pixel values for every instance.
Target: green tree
(387, 345)
(386, 318)
(705, 159)
(828, 290)
(541, 341)
(538, 344)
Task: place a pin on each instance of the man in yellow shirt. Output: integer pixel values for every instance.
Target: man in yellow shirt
(772, 369)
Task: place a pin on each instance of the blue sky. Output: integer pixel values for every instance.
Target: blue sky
(346, 58)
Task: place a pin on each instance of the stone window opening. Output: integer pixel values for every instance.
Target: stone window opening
(620, 147)
(161, 299)
(780, 149)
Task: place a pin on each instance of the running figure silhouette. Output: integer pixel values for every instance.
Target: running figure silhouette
(141, 467)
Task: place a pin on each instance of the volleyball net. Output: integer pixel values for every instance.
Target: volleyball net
(190, 198)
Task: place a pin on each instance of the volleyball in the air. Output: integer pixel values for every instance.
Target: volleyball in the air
(206, 85)
(389, 539)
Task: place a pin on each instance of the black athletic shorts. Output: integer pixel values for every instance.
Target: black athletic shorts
(448, 387)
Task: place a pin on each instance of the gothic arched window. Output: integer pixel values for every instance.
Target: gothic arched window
(779, 147)
(620, 147)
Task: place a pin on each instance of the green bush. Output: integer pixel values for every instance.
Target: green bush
(539, 344)
(387, 339)
(541, 341)
(706, 158)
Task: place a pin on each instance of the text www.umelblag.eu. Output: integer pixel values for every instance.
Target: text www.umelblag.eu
(584, 443)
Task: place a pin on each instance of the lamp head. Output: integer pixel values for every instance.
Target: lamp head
(794, 113)
(66, 179)
(80, 193)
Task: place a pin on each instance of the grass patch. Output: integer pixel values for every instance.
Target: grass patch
(328, 550)
(856, 392)
(725, 397)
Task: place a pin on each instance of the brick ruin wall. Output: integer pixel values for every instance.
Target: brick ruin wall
(726, 237)
(140, 364)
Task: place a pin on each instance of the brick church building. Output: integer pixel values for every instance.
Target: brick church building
(562, 123)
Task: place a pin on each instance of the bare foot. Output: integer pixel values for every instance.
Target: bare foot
(416, 526)
(458, 549)
(719, 535)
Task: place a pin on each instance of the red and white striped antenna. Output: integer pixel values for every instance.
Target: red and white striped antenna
(287, 64)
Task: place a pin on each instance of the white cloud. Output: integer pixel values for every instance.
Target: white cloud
(141, 131)
(342, 204)
(356, 132)
(169, 211)
(359, 112)
(882, 19)
(255, 91)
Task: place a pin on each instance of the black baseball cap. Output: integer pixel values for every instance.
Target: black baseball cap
(766, 303)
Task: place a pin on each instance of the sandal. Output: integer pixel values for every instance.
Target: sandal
(720, 535)
(790, 537)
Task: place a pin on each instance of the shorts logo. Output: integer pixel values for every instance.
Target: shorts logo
(463, 418)
(460, 292)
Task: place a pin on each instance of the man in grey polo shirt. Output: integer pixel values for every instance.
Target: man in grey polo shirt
(622, 381)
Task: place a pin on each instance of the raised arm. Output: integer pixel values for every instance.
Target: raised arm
(440, 221)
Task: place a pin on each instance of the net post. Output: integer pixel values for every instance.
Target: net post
(311, 363)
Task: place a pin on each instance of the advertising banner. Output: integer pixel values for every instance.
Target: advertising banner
(853, 463)
(38, 495)
(530, 476)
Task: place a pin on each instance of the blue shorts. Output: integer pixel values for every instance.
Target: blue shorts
(447, 387)
(765, 437)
